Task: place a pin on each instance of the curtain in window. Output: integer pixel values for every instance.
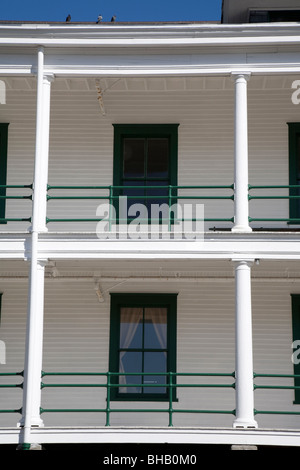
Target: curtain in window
(130, 337)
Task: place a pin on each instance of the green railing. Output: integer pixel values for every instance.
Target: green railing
(113, 193)
(173, 194)
(11, 385)
(4, 196)
(291, 197)
(276, 387)
(171, 384)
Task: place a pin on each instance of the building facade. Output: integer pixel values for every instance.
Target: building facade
(149, 238)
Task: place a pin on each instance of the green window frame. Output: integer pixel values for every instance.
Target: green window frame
(3, 169)
(142, 355)
(294, 169)
(296, 337)
(124, 184)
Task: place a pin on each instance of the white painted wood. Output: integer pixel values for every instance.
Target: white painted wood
(241, 182)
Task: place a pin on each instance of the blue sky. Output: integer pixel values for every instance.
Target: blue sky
(129, 10)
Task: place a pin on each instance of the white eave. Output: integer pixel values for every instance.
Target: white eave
(147, 34)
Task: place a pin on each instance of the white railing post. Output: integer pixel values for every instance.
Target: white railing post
(241, 203)
(243, 346)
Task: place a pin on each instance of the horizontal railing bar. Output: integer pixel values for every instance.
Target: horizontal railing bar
(285, 376)
(267, 412)
(12, 411)
(9, 374)
(4, 219)
(16, 186)
(277, 387)
(273, 197)
(143, 197)
(72, 410)
(231, 219)
(145, 385)
(199, 374)
(108, 187)
(130, 410)
(254, 219)
(274, 186)
(11, 385)
(43, 374)
(16, 197)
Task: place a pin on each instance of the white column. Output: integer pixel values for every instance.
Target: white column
(34, 346)
(34, 337)
(241, 203)
(243, 347)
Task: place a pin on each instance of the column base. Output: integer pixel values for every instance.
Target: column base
(35, 422)
(245, 424)
(241, 228)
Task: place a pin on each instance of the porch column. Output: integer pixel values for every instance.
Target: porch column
(34, 336)
(243, 347)
(241, 203)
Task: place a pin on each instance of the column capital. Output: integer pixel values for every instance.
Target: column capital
(42, 263)
(243, 262)
(48, 77)
(245, 75)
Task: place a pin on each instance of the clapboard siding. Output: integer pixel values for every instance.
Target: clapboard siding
(81, 141)
(76, 338)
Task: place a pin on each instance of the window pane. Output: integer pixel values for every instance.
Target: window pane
(297, 192)
(133, 158)
(161, 196)
(155, 328)
(158, 158)
(134, 196)
(131, 328)
(130, 362)
(155, 362)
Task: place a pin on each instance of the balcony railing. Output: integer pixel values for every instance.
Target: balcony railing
(162, 195)
(105, 380)
(171, 195)
(4, 196)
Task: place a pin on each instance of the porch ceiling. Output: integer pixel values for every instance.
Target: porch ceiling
(171, 270)
(150, 84)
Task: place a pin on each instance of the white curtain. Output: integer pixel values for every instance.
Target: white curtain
(130, 319)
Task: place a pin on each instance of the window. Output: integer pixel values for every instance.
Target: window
(145, 163)
(142, 343)
(294, 169)
(3, 169)
(296, 337)
(270, 16)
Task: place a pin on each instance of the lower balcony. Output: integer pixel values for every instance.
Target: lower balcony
(88, 390)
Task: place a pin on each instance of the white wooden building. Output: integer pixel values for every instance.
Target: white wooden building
(151, 336)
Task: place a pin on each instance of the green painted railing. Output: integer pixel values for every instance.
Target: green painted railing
(114, 192)
(288, 190)
(171, 384)
(174, 194)
(5, 196)
(11, 385)
(276, 387)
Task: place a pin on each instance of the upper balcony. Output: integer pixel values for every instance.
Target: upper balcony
(141, 156)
